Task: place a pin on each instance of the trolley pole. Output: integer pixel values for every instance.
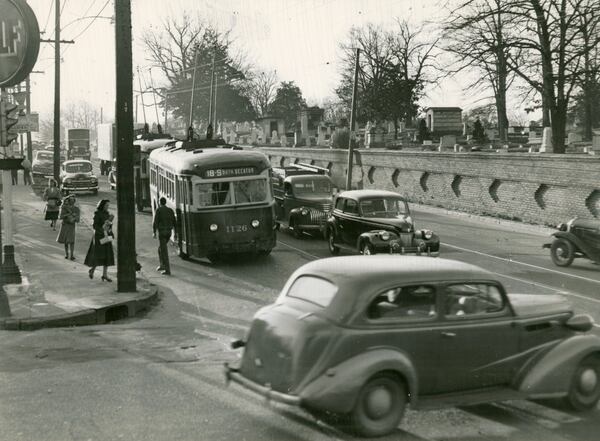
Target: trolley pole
(352, 124)
(126, 279)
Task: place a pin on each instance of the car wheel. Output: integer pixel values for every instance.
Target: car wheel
(333, 249)
(367, 249)
(584, 391)
(94, 192)
(264, 253)
(379, 406)
(562, 252)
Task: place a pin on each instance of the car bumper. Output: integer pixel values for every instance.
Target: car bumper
(233, 374)
(80, 187)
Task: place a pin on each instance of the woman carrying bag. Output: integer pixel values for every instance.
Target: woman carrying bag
(69, 213)
(52, 197)
(100, 252)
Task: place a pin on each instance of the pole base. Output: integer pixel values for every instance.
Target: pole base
(4, 304)
(9, 271)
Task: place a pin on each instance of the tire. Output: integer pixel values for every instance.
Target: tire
(367, 249)
(562, 252)
(264, 253)
(584, 391)
(94, 192)
(379, 406)
(333, 249)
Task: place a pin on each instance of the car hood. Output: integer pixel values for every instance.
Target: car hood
(79, 175)
(42, 163)
(539, 304)
(315, 201)
(401, 224)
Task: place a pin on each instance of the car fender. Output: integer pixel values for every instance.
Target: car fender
(296, 212)
(337, 389)
(550, 375)
(566, 235)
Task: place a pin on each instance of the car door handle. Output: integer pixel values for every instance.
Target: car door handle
(448, 334)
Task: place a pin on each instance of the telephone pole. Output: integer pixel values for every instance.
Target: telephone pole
(126, 279)
(56, 169)
(352, 123)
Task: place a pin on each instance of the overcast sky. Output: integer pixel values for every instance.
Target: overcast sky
(297, 38)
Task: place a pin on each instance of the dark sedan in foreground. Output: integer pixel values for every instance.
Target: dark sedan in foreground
(362, 337)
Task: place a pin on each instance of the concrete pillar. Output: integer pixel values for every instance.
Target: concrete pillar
(546, 146)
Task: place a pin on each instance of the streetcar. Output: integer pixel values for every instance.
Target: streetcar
(221, 195)
(143, 145)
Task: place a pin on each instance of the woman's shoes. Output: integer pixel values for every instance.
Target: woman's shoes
(72, 258)
(106, 279)
(66, 257)
(91, 273)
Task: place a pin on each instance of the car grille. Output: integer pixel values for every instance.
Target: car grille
(406, 239)
(317, 216)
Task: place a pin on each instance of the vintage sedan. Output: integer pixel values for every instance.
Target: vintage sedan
(43, 164)
(362, 337)
(77, 176)
(376, 221)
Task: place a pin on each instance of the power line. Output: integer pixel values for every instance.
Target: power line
(89, 24)
(48, 17)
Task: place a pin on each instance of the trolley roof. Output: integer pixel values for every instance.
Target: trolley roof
(196, 157)
(151, 141)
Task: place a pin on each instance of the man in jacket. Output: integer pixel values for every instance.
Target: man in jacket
(163, 224)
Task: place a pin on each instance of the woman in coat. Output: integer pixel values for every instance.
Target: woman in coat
(69, 214)
(100, 252)
(52, 197)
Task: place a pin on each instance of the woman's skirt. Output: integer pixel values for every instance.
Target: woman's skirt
(66, 233)
(99, 254)
(51, 214)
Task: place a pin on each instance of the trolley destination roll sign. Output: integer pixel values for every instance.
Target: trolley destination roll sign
(229, 172)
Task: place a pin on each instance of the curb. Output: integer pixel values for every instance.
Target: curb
(85, 317)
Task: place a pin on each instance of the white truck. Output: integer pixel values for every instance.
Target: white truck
(106, 146)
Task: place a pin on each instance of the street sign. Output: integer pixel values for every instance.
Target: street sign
(19, 41)
(28, 123)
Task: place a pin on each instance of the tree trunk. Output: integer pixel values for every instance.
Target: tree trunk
(559, 124)
(395, 129)
(588, 112)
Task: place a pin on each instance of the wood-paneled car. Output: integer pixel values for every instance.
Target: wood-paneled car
(376, 221)
(364, 336)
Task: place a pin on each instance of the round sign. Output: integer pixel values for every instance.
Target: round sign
(19, 41)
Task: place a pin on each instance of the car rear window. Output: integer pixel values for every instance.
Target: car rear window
(313, 289)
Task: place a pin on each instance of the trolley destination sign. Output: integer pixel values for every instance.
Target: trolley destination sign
(229, 172)
(19, 41)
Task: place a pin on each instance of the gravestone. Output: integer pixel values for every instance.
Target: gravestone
(283, 141)
(274, 138)
(546, 140)
(574, 137)
(447, 141)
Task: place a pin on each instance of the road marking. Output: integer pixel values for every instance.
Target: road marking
(299, 250)
(575, 276)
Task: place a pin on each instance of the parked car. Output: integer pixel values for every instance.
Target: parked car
(363, 337)
(576, 238)
(376, 221)
(303, 197)
(42, 165)
(76, 175)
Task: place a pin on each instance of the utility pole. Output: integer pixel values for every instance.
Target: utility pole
(352, 123)
(212, 80)
(126, 260)
(56, 168)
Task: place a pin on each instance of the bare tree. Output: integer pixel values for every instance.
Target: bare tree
(263, 87)
(553, 49)
(476, 35)
(80, 115)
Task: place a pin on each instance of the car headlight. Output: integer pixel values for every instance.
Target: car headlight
(561, 227)
(427, 234)
(304, 212)
(385, 235)
(213, 227)
(255, 223)
(66, 180)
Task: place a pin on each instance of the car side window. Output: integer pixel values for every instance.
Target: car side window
(351, 207)
(339, 204)
(404, 303)
(472, 299)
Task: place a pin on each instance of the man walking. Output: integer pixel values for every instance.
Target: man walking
(164, 223)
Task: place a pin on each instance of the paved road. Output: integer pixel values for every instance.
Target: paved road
(159, 377)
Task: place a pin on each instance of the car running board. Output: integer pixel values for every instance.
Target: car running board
(478, 396)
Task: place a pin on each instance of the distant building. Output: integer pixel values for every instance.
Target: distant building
(444, 120)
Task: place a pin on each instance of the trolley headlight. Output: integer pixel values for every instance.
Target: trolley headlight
(213, 227)
(385, 235)
(304, 212)
(255, 223)
(427, 234)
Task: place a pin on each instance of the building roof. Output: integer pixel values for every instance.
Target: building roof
(443, 108)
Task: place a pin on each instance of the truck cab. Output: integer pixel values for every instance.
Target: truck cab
(303, 196)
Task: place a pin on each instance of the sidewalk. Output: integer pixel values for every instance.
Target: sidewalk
(57, 292)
